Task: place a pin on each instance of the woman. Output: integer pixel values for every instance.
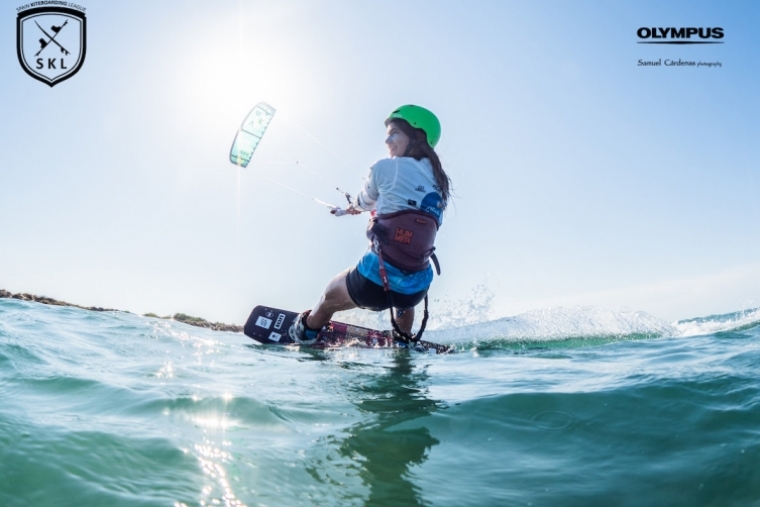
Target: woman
(407, 194)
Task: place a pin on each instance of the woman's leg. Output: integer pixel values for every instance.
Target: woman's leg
(335, 299)
(405, 319)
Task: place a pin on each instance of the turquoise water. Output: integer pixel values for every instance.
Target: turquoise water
(556, 407)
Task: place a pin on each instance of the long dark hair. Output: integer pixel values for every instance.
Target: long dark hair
(418, 149)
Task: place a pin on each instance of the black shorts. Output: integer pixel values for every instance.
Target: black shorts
(371, 296)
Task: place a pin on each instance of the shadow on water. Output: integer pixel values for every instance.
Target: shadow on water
(387, 445)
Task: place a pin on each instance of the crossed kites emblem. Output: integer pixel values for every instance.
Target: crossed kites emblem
(44, 43)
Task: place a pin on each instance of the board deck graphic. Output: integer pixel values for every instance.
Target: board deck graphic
(270, 326)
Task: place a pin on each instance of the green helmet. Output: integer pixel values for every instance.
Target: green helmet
(420, 118)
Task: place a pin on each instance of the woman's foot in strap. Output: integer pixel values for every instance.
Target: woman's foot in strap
(300, 332)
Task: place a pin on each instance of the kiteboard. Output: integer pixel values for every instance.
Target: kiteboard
(270, 326)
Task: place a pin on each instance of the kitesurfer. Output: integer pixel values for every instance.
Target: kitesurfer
(407, 194)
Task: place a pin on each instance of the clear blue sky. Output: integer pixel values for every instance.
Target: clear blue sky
(582, 178)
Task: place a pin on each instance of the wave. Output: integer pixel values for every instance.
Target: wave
(556, 326)
(735, 321)
(561, 327)
(582, 326)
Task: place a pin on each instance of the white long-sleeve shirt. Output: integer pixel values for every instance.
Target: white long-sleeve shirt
(400, 183)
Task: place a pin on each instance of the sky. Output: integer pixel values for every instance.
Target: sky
(580, 177)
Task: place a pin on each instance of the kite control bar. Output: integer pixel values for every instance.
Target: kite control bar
(338, 212)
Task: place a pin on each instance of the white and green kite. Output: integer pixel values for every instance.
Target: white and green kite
(250, 133)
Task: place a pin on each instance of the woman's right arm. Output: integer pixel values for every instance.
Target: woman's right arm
(366, 199)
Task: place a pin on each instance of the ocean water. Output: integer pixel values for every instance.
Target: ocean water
(561, 407)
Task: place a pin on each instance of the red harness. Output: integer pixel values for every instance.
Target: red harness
(407, 238)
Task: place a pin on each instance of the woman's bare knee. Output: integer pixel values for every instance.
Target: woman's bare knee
(334, 299)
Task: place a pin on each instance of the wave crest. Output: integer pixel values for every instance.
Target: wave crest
(558, 324)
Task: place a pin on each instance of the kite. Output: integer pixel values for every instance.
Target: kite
(250, 133)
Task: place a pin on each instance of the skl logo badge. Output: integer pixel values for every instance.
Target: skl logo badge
(51, 42)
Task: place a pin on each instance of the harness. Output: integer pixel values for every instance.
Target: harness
(406, 238)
